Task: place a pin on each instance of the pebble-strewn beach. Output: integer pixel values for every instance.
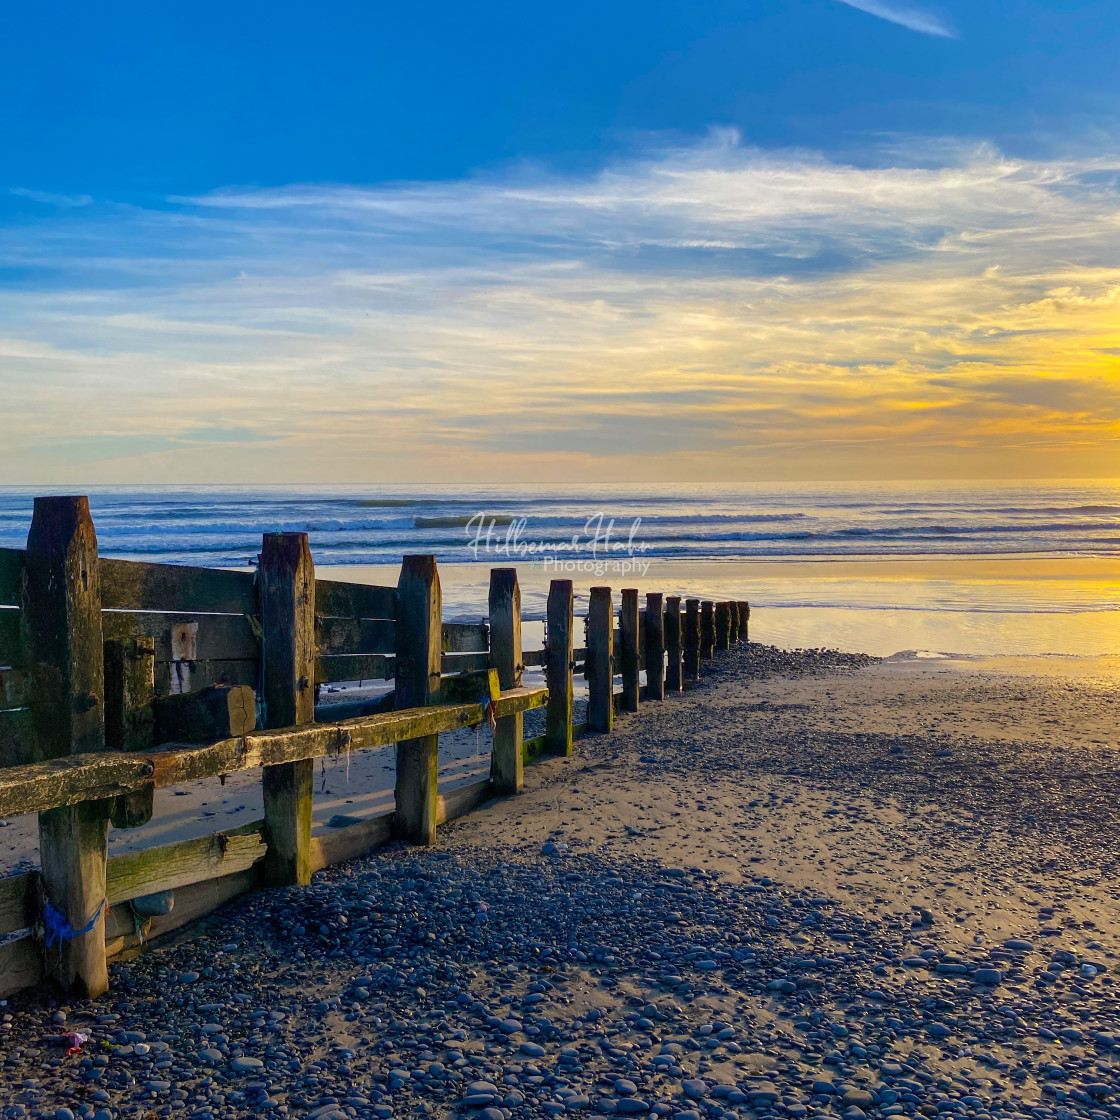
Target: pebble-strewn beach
(815, 885)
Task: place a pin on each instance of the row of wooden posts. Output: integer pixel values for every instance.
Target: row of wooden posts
(673, 643)
(100, 740)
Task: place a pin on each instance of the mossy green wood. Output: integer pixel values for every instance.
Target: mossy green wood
(62, 615)
(507, 769)
(418, 649)
(559, 663)
(600, 660)
(286, 587)
(66, 781)
(132, 585)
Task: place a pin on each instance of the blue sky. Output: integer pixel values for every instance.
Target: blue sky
(124, 99)
(857, 237)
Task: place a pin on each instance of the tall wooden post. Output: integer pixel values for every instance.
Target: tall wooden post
(628, 648)
(672, 630)
(733, 622)
(559, 662)
(286, 586)
(707, 629)
(419, 648)
(655, 646)
(691, 640)
(62, 614)
(723, 626)
(744, 621)
(600, 660)
(507, 771)
(130, 688)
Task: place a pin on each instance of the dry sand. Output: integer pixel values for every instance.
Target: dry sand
(981, 789)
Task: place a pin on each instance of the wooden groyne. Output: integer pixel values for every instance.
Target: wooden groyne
(118, 678)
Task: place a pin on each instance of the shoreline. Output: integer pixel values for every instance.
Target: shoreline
(987, 607)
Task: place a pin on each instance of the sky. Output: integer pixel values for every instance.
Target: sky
(705, 241)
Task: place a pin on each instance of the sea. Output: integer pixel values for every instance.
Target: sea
(961, 568)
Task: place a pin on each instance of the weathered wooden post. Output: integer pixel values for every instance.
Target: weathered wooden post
(672, 630)
(628, 648)
(744, 622)
(419, 649)
(600, 660)
(559, 662)
(286, 587)
(655, 646)
(707, 629)
(62, 614)
(691, 641)
(733, 622)
(507, 767)
(130, 689)
(723, 626)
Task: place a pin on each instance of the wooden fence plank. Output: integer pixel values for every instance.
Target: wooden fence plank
(172, 866)
(221, 712)
(463, 662)
(17, 738)
(350, 842)
(335, 636)
(12, 651)
(21, 966)
(191, 902)
(214, 637)
(66, 781)
(462, 800)
(13, 903)
(464, 637)
(175, 677)
(354, 600)
(11, 576)
(354, 667)
(15, 688)
(132, 585)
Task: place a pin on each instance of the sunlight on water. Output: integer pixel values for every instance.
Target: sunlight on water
(972, 568)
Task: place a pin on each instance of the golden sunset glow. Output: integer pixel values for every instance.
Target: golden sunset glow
(705, 312)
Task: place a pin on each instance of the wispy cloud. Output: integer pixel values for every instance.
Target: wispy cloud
(907, 15)
(763, 312)
(48, 199)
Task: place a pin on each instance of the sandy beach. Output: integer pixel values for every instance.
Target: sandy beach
(814, 884)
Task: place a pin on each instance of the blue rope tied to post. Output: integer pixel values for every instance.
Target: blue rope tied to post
(489, 711)
(57, 929)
